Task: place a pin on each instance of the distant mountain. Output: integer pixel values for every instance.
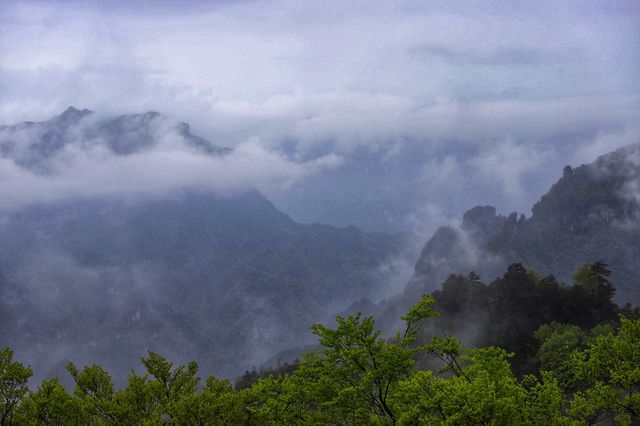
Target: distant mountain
(31, 144)
(227, 280)
(592, 213)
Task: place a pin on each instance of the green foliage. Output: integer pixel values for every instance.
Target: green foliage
(361, 370)
(95, 394)
(216, 404)
(558, 343)
(362, 378)
(168, 384)
(611, 368)
(484, 391)
(13, 385)
(508, 311)
(50, 404)
(251, 377)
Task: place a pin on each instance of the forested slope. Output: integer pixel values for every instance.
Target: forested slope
(224, 278)
(592, 213)
(587, 370)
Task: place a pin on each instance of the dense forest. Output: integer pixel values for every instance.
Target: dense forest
(548, 353)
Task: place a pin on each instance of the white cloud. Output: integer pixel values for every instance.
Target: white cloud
(506, 163)
(87, 167)
(607, 141)
(247, 51)
(458, 80)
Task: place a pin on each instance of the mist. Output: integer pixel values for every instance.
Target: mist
(208, 179)
(82, 155)
(456, 89)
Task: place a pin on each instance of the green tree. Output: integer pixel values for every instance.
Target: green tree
(353, 378)
(95, 393)
(50, 405)
(217, 404)
(557, 343)
(592, 294)
(482, 392)
(169, 385)
(137, 402)
(611, 368)
(13, 385)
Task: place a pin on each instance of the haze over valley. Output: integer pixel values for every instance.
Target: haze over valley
(238, 183)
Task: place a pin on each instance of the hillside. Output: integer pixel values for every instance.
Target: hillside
(226, 279)
(592, 213)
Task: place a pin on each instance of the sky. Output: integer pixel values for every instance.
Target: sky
(411, 101)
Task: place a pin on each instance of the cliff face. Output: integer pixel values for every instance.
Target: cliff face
(591, 213)
(458, 248)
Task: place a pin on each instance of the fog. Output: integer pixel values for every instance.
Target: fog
(457, 89)
(395, 118)
(146, 156)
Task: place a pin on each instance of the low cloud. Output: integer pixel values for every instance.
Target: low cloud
(88, 166)
(505, 164)
(302, 87)
(606, 141)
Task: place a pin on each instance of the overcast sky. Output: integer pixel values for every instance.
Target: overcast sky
(476, 84)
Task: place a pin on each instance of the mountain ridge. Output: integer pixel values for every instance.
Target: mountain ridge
(591, 213)
(225, 278)
(31, 144)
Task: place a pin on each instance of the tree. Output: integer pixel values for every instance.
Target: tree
(95, 393)
(557, 343)
(592, 294)
(362, 378)
(13, 385)
(353, 378)
(50, 405)
(169, 385)
(216, 404)
(483, 391)
(611, 368)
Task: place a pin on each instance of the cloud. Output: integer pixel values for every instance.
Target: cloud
(244, 51)
(607, 141)
(501, 56)
(335, 80)
(505, 163)
(623, 163)
(88, 166)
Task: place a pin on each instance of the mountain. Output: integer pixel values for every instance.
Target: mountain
(225, 279)
(33, 144)
(592, 213)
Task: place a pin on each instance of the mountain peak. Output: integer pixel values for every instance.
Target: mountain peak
(73, 114)
(479, 214)
(568, 172)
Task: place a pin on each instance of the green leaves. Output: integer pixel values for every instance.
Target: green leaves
(95, 393)
(367, 368)
(13, 385)
(485, 392)
(169, 383)
(558, 343)
(361, 378)
(611, 368)
(50, 405)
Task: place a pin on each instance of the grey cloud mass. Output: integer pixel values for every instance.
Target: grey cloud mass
(496, 95)
(81, 154)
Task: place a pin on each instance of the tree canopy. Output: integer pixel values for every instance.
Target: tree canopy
(583, 376)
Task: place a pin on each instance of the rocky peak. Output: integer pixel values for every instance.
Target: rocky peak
(482, 220)
(72, 115)
(568, 173)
